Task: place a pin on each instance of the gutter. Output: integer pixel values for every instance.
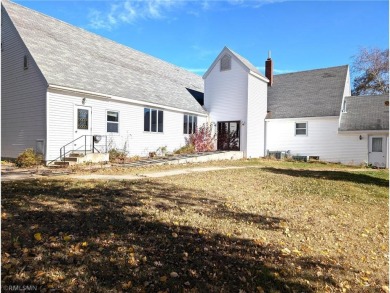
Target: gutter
(120, 99)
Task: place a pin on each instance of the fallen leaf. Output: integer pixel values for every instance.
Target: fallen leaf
(174, 274)
(163, 279)
(38, 236)
(67, 238)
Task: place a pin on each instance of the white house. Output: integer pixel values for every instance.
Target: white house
(61, 85)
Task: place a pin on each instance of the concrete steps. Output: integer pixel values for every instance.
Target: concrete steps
(78, 158)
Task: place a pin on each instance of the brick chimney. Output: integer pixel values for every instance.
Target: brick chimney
(269, 69)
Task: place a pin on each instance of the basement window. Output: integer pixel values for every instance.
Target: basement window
(190, 123)
(301, 128)
(112, 121)
(226, 63)
(25, 62)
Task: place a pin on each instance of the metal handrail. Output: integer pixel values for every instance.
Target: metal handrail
(63, 151)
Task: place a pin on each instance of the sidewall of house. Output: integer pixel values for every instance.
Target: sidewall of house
(131, 136)
(225, 97)
(23, 95)
(257, 110)
(322, 140)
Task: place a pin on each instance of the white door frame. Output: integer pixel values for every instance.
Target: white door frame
(378, 158)
(77, 131)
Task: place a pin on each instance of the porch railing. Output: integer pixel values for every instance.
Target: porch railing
(86, 143)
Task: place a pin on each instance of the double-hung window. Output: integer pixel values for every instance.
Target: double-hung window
(190, 124)
(301, 128)
(113, 121)
(153, 120)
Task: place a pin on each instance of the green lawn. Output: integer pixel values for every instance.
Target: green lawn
(274, 227)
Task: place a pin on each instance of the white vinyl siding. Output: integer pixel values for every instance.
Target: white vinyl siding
(323, 140)
(225, 96)
(257, 110)
(131, 130)
(23, 96)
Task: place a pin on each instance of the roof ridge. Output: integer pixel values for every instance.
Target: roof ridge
(316, 69)
(94, 34)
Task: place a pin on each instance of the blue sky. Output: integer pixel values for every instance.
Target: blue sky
(190, 34)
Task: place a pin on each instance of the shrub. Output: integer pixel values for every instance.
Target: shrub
(28, 159)
(203, 139)
(187, 149)
(115, 155)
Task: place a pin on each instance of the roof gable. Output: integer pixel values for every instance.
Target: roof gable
(312, 93)
(72, 57)
(245, 64)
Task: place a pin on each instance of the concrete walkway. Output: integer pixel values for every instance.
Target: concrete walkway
(150, 175)
(25, 174)
(13, 174)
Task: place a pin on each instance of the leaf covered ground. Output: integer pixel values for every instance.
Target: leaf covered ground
(268, 228)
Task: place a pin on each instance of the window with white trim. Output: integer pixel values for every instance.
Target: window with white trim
(113, 121)
(190, 123)
(301, 128)
(153, 120)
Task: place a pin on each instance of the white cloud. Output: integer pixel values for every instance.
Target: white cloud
(130, 11)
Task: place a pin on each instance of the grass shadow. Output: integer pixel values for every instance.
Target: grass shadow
(115, 243)
(331, 175)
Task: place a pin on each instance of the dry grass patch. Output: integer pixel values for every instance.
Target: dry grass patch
(269, 229)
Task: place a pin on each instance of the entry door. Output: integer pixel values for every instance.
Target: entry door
(82, 126)
(228, 135)
(377, 151)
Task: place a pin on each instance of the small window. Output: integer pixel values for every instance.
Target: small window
(190, 124)
(226, 63)
(82, 119)
(153, 120)
(25, 62)
(301, 128)
(112, 121)
(377, 144)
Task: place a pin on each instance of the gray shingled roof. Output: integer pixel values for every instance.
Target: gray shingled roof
(72, 57)
(365, 113)
(312, 93)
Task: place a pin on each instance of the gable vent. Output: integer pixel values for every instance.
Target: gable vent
(226, 62)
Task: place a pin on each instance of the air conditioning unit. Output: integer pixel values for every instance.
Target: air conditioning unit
(277, 154)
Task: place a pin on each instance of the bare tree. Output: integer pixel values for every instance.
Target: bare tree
(371, 71)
